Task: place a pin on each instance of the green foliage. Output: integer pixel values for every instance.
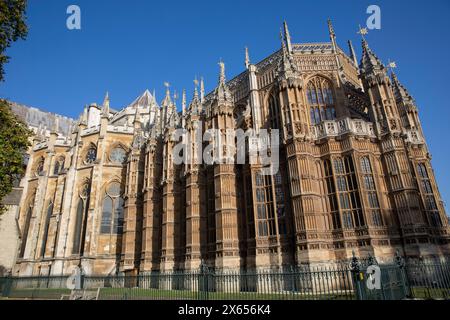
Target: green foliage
(14, 142)
(12, 27)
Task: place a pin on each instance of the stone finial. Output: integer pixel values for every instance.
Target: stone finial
(352, 53)
(247, 58)
(222, 71)
(105, 111)
(183, 101)
(287, 36)
(202, 90)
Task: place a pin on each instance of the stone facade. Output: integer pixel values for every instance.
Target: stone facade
(355, 175)
(9, 237)
(39, 122)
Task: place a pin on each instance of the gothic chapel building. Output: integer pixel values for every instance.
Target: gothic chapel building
(355, 175)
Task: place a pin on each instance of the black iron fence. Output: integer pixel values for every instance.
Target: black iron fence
(356, 280)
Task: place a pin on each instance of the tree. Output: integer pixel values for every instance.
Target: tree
(14, 143)
(12, 27)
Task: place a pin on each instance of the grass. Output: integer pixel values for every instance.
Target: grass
(430, 293)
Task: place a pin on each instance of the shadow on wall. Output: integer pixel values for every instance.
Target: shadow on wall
(3, 271)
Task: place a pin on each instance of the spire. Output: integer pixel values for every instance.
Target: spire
(195, 106)
(352, 53)
(195, 88)
(105, 111)
(222, 72)
(332, 35)
(247, 58)
(287, 67)
(222, 93)
(400, 92)
(330, 28)
(202, 90)
(183, 101)
(175, 98)
(287, 37)
(369, 61)
(167, 100)
(183, 109)
(283, 44)
(154, 96)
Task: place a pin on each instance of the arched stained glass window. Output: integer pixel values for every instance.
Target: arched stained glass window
(118, 216)
(320, 100)
(91, 155)
(81, 220)
(118, 155)
(26, 230)
(112, 213)
(105, 226)
(59, 166)
(46, 228)
(274, 112)
(40, 167)
(78, 225)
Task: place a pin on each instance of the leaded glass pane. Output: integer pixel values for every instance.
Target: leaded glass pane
(114, 189)
(78, 226)
(118, 155)
(118, 215)
(105, 226)
(91, 155)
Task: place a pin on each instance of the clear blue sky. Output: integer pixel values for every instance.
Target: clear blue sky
(125, 47)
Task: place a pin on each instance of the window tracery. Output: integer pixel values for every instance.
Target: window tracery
(320, 99)
(112, 213)
(430, 201)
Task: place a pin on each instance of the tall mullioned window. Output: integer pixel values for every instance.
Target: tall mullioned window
(112, 215)
(427, 190)
(320, 99)
(81, 220)
(348, 194)
(46, 228)
(274, 112)
(331, 195)
(249, 206)
(265, 218)
(343, 191)
(26, 229)
(281, 202)
(372, 197)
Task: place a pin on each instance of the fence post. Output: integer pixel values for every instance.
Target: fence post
(355, 267)
(400, 262)
(203, 282)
